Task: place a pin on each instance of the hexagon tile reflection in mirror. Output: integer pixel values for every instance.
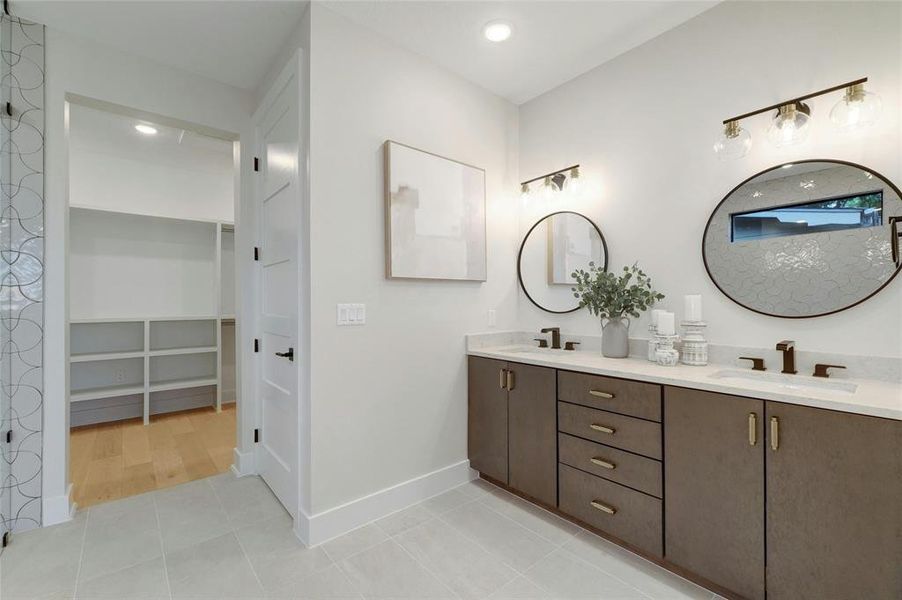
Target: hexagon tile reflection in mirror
(805, 239)
(556, 246)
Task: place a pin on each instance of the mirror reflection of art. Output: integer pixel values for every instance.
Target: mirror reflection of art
(555, 247)
(435, 216)
(571, 246)
(805, 239)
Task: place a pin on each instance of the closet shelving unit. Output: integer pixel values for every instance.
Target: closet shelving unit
(139, 365)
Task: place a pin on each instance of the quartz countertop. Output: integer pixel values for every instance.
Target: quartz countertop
(871, 397)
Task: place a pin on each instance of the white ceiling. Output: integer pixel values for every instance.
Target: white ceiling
(100, 131)
(553, 41)
(230, 41)
(235, 41)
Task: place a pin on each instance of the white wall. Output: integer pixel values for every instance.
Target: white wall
(389, 398)
(642, 127)
(173, 173)
(134, 266)
(88, 69)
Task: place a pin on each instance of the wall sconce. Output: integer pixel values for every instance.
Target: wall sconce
(790, 123)
(552, 183)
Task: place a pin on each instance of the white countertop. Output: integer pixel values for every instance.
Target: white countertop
(871, 397)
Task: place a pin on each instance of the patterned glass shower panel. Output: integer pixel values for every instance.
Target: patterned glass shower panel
(22, 270)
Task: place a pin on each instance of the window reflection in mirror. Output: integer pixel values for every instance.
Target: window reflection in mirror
(846, 212)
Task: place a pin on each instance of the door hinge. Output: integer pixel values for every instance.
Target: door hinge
(6, 539)
(256, 253)
(256, 164)
(256, 436)
(256, 345)
(9, 436)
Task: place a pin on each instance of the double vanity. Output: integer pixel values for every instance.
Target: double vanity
(749, 483)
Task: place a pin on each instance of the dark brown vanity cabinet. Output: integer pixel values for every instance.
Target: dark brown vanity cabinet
(803, 502)
(834, 505)
(714, 487)
(762, 499)
(512, 435)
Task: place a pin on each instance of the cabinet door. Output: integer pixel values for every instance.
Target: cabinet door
(834, 505)
(533, 432)
(487, 418)
(714, 488)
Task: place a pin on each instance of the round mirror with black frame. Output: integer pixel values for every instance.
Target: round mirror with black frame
(805, 239)
(556, 246)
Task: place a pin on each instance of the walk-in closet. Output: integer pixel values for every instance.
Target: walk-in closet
(152, 363)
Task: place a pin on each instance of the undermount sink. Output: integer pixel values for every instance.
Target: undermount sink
(787, 382)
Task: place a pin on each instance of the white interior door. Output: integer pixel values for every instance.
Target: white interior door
(278, 373)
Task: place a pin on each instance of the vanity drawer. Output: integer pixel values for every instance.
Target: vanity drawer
(631, 470)
(611, 429)
(641, 400)
(631, 516)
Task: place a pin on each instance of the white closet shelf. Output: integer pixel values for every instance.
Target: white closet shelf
(177, 351)
(105, 356)
(181, 384)
(106, 392)
(221, 222)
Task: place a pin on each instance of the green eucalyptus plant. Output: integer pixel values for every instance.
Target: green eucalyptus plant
(609, 296)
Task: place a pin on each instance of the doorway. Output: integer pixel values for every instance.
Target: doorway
(151, 302)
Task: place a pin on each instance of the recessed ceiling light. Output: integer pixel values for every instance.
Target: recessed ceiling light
(146, 129)
(497, 31)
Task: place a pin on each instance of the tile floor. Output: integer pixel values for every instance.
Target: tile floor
(224, 537)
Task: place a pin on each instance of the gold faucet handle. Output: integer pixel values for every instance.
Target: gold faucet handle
(821, 370)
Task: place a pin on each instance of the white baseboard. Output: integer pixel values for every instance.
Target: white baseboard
(58, 509)
(321, 527)
(244, 463)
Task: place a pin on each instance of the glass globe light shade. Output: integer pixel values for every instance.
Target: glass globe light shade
(790, 125)
(526, 197)
(549, 190)
(733, 143)
(574, 183)
(857, 109)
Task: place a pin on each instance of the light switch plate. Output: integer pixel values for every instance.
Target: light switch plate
(351, 314)
(492, 317)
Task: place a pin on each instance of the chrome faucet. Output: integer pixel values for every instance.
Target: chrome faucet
(555, 337)
(787, 347)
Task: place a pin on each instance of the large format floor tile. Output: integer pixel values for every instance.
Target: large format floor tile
(217, 568)
(387, 571)
(143, 581)
(511, 542)
(460, 563)
(43, 562)
(225, 537)
(568, 577)
(279, 559)
(652, 580)
(121, 538)
(190, 514)
(356, 541)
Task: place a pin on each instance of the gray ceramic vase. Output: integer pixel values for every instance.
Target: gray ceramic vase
(615, 338)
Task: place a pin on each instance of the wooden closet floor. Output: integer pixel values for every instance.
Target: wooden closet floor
(115, 460)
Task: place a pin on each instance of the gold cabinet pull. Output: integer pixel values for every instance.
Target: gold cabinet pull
(602, 428)
(601, 394)
(774, 433)
(510, 380)
(753, 429)
(502, 379)
(603, 463)
(603, 507)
